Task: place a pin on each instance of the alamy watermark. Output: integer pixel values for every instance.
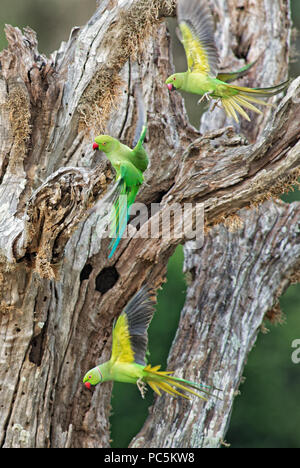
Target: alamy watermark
(296, 354)
(167, 222)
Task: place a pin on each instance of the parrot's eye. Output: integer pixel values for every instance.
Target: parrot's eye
(174, 78)
(104, 143)
(89, 377)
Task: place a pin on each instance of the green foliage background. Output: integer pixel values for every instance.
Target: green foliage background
(266, 413)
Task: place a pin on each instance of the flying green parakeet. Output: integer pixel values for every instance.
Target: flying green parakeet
(129, 165)
(197, 35)
(129, 346)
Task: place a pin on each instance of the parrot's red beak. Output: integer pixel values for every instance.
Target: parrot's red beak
(88, 385)
(95, 146)
(170, 86)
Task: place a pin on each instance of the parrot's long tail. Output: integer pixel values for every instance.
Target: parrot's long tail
(120, 215)
(233, 105)
(162, 380)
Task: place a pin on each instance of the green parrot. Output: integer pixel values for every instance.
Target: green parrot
(129, 165)
(197, 35)
(129, 346)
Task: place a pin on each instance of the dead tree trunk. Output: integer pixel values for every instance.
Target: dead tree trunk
(58, 292)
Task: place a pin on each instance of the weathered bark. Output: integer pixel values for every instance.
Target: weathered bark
(58, 292)
(234, 281)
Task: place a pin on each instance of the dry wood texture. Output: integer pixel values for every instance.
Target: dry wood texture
(58, 292)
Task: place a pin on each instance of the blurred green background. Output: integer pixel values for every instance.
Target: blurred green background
(267, 412)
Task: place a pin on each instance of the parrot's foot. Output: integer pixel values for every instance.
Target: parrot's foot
(205, 96)
(142, 387)
(216, 104)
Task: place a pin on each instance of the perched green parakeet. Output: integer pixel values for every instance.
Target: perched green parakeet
(197, 35)
(129, 165)
(129, 346)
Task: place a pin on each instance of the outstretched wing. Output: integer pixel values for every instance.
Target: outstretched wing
(130, 338)
(197, 35)
(228, 77)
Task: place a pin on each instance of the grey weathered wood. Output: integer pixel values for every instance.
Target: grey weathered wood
(54, 322)
(234, 280)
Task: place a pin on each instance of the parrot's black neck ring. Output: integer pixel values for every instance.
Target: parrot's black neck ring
(101, 376)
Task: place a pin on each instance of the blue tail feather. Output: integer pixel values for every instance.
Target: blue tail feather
(120, 219)
(120, 215)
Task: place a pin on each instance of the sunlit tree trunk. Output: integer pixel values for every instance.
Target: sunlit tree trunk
(59, 294)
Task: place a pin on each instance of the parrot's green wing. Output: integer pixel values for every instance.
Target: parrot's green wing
(197, 35)
(130, 338)
(119, 217)
(139, 155)
(131, 178)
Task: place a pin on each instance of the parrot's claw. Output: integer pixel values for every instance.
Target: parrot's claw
(216, 104)
(142, 387)
(205, 96)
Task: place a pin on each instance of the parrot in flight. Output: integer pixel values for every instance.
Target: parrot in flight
(196, 29)
(129, 346)
(129, 165)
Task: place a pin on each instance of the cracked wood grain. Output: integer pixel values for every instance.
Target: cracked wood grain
(236, 278)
